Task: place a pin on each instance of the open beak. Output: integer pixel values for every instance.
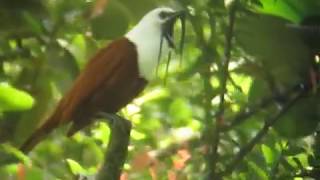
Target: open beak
(167, 33)
(168, 26)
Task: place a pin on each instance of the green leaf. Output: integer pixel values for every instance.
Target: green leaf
(62, 64)
(259, 89)
(112, 23)
(37, 174)
(9, 154)
(300, 120)
(34, 24)
(260, 173)
(135, 8)
(137, 135)
(268, 154)
(44, 97)
(75, 167)
(278, 49)
(180, 110)
(78, 48)
(280, 8)
(101, 133)
(12, 99)
(293, 10)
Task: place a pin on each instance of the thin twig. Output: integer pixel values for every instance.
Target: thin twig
(268, 123)
(213, 156)
(234, 84)
(18, 52)
(313, 173)
(252, 109)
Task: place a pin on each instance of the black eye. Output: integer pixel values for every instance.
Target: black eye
(163, 14)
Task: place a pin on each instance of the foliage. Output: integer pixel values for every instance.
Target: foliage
(243, 104)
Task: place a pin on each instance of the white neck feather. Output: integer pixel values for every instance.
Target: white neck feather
(147, 39)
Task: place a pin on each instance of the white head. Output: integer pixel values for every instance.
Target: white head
(156, 17)
(147, 35)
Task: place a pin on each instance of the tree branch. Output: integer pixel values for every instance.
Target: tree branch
(117, 150)
(268, 123)
(213, 149)
(313, 173)
(250, 110)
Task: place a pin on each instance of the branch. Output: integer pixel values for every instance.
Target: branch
(250, 110)
(313, 173)
(234, 84)
(213, 153)
(117, 150)
(268, 123)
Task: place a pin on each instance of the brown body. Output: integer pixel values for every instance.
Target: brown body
(109, 82)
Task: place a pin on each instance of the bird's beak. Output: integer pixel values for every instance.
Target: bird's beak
(168, 26)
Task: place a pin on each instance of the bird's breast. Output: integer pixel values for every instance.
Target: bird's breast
(148, 56)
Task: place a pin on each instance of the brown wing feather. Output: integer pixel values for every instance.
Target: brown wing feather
(108, 82)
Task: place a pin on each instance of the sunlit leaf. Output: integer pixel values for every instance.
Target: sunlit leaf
(102, 133)
(180, 110)
(261, 174)
(75, 167)
(137, 135)
(10, 154)
(293, 10)
(268, 154)
(12, 99)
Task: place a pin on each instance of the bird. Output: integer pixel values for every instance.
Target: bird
(114, 76)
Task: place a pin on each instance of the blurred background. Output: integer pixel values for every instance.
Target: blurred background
(241, 104)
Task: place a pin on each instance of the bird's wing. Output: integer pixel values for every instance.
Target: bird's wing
(98, 72)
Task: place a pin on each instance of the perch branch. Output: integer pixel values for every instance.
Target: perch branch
(117, 150)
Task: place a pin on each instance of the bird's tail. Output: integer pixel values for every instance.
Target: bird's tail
(45, 129)
(38, 135)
